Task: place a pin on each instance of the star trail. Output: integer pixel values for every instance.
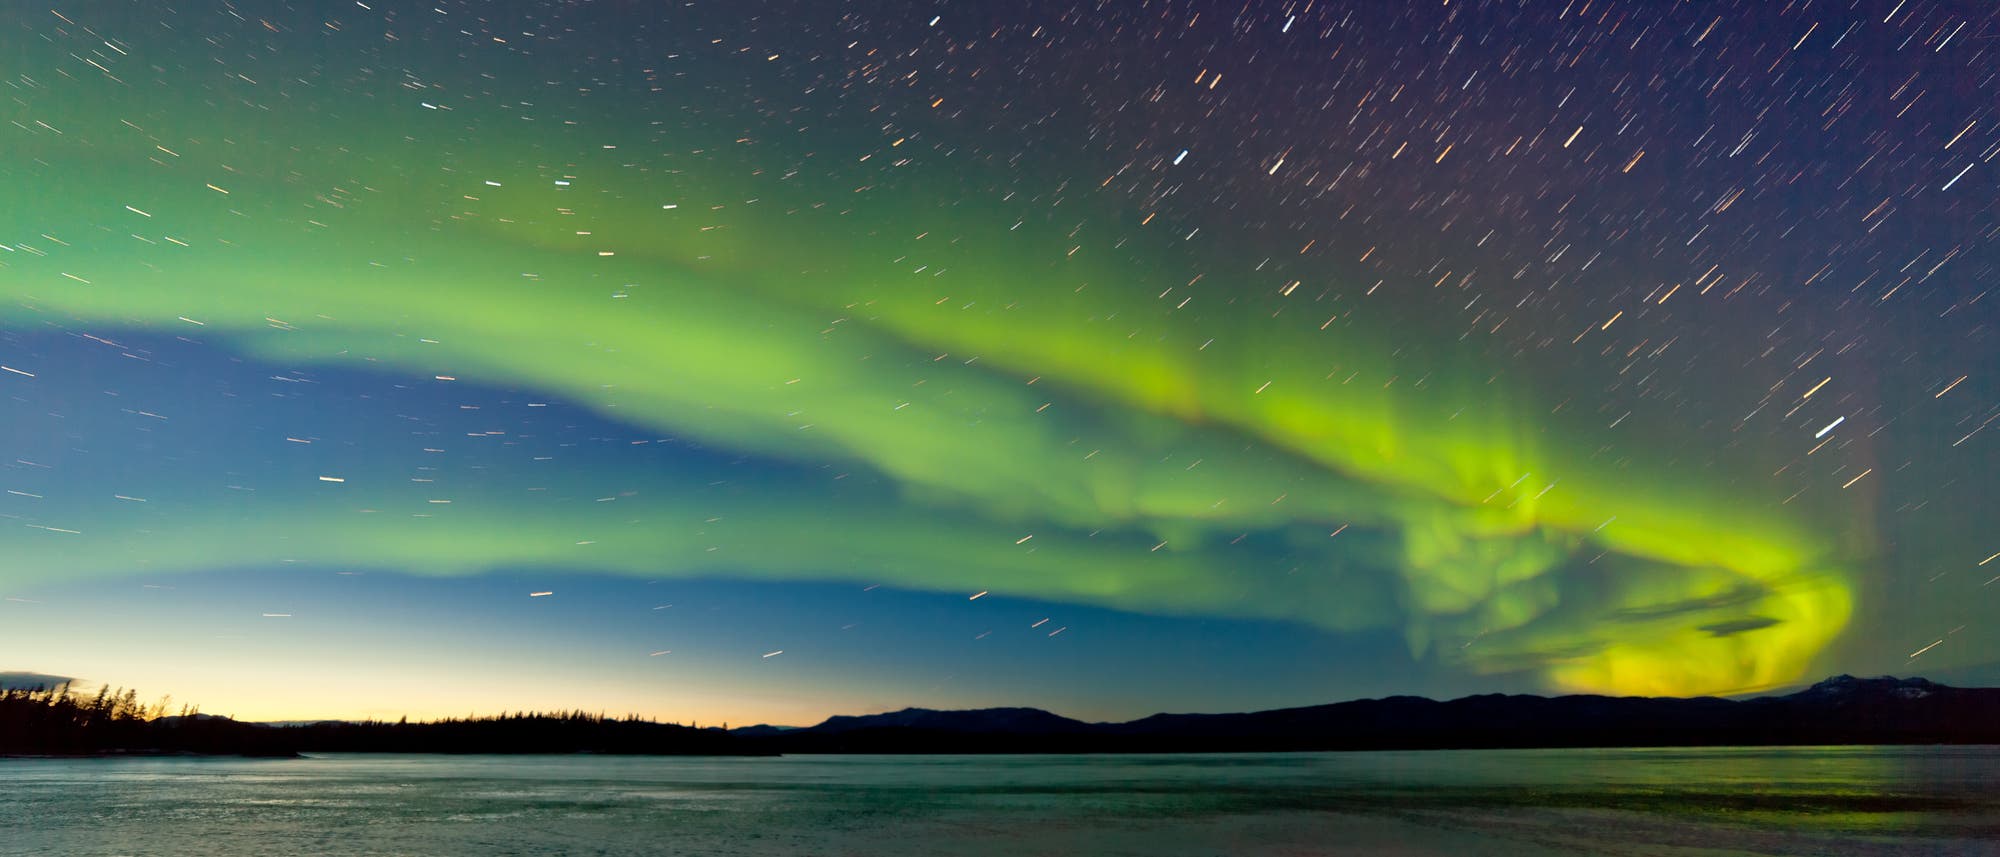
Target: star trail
(1604, 347)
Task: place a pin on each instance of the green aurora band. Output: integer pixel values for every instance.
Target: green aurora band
(1008, 379)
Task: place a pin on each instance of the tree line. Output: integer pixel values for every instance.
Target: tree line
(58, 721)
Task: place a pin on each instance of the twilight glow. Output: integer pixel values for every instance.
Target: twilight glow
(850, 300)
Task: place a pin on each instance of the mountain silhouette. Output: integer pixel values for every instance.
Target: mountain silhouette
(1019, 721)
(1839, 710)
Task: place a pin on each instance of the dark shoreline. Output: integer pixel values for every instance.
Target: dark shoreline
(1843, 711)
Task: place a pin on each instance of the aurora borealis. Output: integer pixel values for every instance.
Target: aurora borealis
(1478, 346)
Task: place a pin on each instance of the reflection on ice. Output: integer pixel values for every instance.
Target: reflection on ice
(1686, 803)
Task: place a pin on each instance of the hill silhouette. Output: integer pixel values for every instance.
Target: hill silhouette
(1839, 710)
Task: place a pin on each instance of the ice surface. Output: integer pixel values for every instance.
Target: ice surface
(1685, 803)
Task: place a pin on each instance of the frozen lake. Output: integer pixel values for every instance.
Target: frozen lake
(1684, 802)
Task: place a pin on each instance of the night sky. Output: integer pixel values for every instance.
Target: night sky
(743, 361)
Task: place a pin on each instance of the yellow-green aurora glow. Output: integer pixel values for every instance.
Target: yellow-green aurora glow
(1052, 426)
